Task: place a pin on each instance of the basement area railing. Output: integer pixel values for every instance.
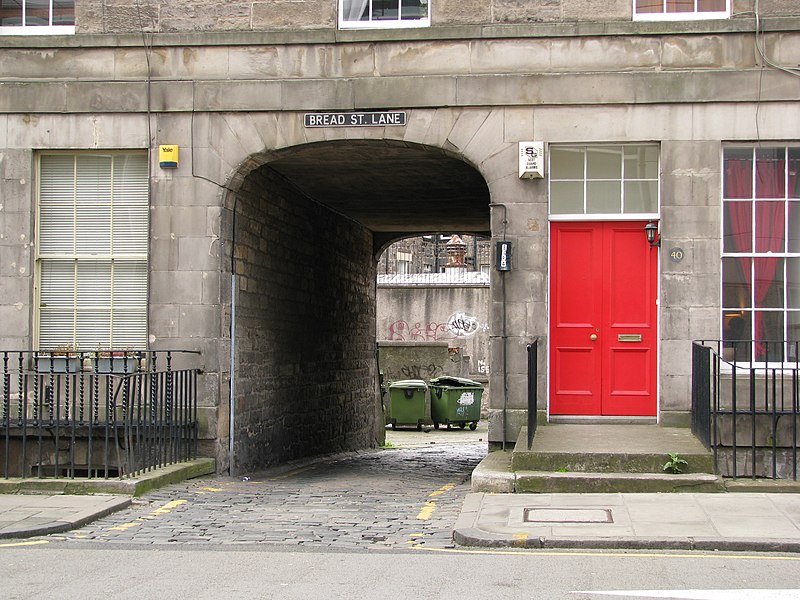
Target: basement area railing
(99, 414)
(746, 411)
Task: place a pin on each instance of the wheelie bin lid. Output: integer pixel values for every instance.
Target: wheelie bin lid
(449, 380)
(409, 383)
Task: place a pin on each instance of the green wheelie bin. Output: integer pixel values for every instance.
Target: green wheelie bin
(455, 401)
(409, 403)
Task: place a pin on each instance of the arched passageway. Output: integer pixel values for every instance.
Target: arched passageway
(309, 223)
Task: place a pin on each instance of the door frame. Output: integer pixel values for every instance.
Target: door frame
(600, 418)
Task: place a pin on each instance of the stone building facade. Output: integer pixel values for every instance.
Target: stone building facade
(263, 240)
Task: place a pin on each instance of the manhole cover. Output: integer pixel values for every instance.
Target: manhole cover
(567, 515)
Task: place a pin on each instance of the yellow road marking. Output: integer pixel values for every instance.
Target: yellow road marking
(167, 508)
(17, 544)
(125, 526)
(426, 512)
(443, 489)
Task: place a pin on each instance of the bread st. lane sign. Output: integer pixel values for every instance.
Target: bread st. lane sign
(354, 119)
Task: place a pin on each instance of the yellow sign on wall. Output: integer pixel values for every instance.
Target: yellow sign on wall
(168, 156)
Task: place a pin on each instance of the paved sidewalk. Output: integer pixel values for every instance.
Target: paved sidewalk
(29, 515)
(727, 521)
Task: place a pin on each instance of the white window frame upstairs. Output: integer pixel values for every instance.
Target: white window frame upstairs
(398, 23)
(23, 28)
(682, 16)
(92, 240)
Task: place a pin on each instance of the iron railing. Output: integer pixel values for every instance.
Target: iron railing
(746, 411)
(533, 379)
(96, 414)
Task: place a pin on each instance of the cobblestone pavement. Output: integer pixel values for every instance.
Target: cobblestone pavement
(409, 495)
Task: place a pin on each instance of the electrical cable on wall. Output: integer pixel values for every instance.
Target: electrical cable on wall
(765, 61)
(762, 49)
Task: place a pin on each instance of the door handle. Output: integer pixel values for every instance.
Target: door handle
(593, 337)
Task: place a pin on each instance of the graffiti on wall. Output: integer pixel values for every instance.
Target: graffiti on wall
(421, 371)
(458, 325)
(403, 331)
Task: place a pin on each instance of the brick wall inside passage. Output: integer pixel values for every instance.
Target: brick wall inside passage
(305, 329)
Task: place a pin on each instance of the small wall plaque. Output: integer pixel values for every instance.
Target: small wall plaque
(676, 254)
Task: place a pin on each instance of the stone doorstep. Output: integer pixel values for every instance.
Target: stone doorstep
(135, 486)
(554, 482)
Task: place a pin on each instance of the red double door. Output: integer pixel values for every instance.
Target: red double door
(603, 319)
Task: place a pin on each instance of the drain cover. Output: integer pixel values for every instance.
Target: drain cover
(567, 515)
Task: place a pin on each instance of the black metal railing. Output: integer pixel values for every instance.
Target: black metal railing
(746, 410)
(96, 414)
(533, 379)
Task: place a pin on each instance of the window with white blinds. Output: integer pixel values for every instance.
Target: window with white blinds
(92, 251)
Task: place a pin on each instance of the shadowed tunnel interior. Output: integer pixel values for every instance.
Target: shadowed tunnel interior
(309, 224)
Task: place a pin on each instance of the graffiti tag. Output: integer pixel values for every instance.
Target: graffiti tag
(403, 331)
(461, 324)
(421, 371)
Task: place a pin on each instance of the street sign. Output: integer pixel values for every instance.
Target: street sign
(355, 119)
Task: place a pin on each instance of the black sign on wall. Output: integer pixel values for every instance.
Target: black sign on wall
(355, 119)
(503, 256)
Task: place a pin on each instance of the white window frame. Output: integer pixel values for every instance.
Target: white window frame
(729, 312)
(50, 29)
(616, 216)
(383, 23)
(682, 16)
(79, 238)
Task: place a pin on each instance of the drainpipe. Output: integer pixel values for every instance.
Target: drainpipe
(504, 333)
(232, 407)
(232, 399)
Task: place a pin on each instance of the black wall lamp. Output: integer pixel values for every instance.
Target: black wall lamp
(651, 231)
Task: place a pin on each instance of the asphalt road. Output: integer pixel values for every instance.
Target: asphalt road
(370, 525)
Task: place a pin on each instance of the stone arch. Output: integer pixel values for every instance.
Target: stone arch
(303, 245)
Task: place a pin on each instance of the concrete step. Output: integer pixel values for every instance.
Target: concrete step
(495, 475)
(602, 462)
(549, 482)
(599, 457)
(604, 448)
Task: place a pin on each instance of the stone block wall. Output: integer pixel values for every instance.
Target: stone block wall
(425, 315)
(306, 363)
(114, 16)
(16, 249)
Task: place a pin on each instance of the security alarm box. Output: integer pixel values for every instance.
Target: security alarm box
(531, 160)
(168, 156)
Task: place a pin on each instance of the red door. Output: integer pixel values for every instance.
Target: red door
(603, 319)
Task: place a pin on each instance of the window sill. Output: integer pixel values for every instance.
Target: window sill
(48, 30)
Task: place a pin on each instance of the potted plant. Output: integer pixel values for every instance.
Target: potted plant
(116, 361)
(61, 359)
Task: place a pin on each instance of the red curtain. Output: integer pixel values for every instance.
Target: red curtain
(770, 227)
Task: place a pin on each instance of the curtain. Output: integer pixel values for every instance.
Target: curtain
(770, 228)
(354, 9)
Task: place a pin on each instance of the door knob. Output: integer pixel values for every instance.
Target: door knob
(593, 337)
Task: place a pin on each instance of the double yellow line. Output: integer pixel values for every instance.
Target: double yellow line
(427, 510)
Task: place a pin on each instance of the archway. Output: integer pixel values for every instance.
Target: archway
(309, 222)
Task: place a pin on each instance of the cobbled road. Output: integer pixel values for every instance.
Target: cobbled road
(389, 498)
